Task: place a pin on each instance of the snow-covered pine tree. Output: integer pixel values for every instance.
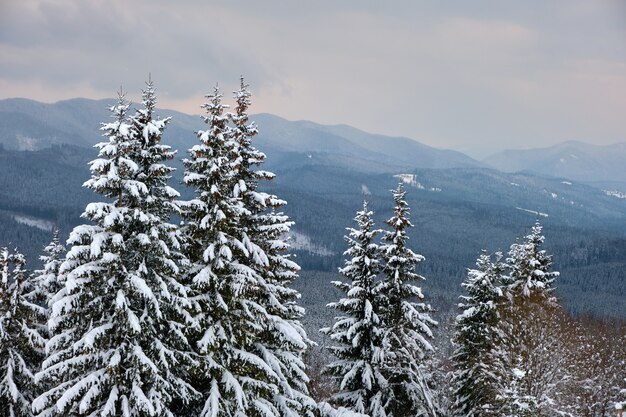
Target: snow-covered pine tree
(218, 289)
(476, 334)
(358, 333)
(529, 266)
(21, 341)
(247, 330)
(49, 285)
(530, 358)
(148, 129)
(407, 323)
(48, 279)
(263, 230)
(117, 346)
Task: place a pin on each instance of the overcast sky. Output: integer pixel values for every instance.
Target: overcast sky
(475, 76)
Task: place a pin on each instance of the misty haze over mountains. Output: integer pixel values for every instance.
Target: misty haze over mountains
(31, 125)
(27, 125)
(460, 205)
(603, 166)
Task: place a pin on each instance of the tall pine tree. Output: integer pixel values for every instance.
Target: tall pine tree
(476, 334)
(358, 333)
(117, 342)
(49, 280)
(21, 339)
(529, 266)
(529, 359)
(407, 323)
(247, 329)
(217, 290)
(263, 232)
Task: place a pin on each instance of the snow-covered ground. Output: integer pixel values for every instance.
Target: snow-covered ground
(34, 222)
(537, 213)
(411, 179)
(616, 194)
(300, 241)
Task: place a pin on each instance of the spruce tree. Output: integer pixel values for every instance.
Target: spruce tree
(217, 290)
(529, 266)
(151, 154)
(263, 229)
(117, 344)
(21, 339)
(247, 330)
(358, 333)
(529, 359)
(476, 334)
(48, 279)
(407, 331)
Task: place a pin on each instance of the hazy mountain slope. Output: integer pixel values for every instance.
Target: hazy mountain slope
(375, 152)
(403, 149)
(457, 212)
(30, 125)
(601, 165)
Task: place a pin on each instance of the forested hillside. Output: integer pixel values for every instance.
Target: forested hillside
(459, 209)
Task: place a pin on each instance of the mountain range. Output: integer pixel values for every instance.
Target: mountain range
(602, 166)
(459, 205)
(30, 125)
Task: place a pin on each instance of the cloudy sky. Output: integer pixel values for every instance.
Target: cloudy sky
(475, 76)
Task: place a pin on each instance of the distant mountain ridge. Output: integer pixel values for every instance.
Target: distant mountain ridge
(602, 166)
(31, 125)
(458, 206)
(383, 153)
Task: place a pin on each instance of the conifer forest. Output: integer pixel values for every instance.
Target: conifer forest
(159, 305)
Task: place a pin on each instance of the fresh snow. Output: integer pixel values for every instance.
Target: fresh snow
(616, 194)
(300, 241)
(41, 224)
(411, 179)
(538, 213)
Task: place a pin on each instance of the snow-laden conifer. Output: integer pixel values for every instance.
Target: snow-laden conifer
(475, 336)
(530, 360)
(247, 330)
(220, 326)
(147, 129)
(21, 339)
(529, 266)
(357, 334)
(263, 232)
(406, 320)
(117, 344)
(48, 279)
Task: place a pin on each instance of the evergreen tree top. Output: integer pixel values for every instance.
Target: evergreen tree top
(483, 284)
(400, 260)
(530, 265)
(400, 219)
(361, 245)
(214, 107)
(243, 98)
(149, 127)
